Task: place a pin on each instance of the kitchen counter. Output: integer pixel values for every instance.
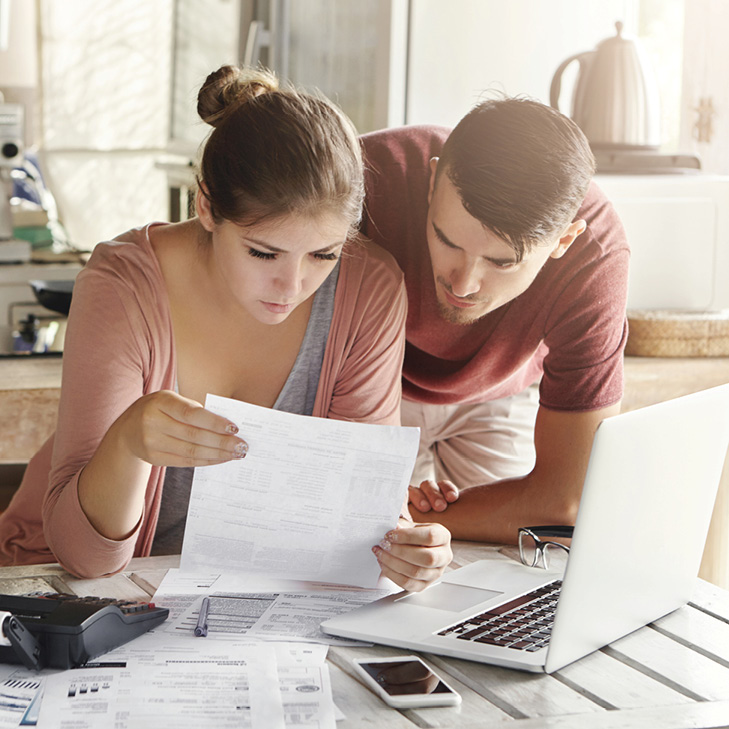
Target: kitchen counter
(30, 388)
(649, 380)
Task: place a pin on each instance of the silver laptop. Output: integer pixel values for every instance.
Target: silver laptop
(637, 546)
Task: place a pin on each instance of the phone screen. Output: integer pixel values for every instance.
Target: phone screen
(398, 678)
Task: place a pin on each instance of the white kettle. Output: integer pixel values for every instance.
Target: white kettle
(615, 101)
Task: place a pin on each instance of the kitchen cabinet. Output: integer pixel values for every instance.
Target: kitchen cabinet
(678, 230)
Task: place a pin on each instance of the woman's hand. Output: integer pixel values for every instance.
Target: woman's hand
(166, 429)
(414, 555)
(431, 495)
(161, 429)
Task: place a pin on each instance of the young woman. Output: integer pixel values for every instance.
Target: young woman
(264, 297)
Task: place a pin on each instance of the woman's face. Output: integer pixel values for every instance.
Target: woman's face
(274, 266)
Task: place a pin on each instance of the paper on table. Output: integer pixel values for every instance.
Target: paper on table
(308, 502)
(291, 616)
(190, 688)
(18, 689)
(177, 583)
(306, 694)
(298, 654)
(145, 685)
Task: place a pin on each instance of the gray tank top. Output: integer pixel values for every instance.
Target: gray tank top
(296, 396)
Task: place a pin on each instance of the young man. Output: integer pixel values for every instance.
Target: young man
(516, 272)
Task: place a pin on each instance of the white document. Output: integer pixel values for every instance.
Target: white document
(210, 685)
(177, 584)
(298, 654)
(308, 502)
(306, 693)
(195, 683)
(18, 689)
(288, 616)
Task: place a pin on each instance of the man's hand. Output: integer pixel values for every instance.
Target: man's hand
(414, 556)
(431, 495)
(550, 494)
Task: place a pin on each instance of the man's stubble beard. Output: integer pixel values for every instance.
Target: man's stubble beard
(460, 317)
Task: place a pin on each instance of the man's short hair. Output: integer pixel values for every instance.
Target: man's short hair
(520, 167)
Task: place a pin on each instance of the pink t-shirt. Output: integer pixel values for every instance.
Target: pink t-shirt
(569, 327)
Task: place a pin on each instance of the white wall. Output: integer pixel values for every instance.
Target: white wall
(106, 69)
(107, 102)
(461, 48)
(705, 101)
(17, 67)
(18, 60)
(107, 73)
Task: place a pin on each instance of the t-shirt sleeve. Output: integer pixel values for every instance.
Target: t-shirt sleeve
(586, 332)
(102, 375)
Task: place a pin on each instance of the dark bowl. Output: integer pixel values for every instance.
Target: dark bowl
(54, 295)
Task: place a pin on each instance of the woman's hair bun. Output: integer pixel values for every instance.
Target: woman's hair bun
(230, 86)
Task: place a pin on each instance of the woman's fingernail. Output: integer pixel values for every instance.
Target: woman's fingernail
(385, 544)
(391, 536)
(423, 506)
(240, 450)
(231, 428)
(439, 503)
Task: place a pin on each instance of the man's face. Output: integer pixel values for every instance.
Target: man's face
(475, 271)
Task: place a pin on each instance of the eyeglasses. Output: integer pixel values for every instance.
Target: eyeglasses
(532, 548)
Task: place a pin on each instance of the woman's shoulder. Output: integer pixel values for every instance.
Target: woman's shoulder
(122, 276)
(131, 248)
(127, 261)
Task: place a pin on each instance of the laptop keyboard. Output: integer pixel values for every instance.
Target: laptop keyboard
(524, 624)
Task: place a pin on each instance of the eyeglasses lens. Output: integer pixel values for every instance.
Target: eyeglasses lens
(554, 549)
(527, 549)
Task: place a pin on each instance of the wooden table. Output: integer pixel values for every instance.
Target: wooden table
(674, 673)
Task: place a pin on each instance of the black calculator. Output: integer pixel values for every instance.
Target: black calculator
(64, 631)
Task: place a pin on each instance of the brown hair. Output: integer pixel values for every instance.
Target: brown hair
(521, 168)
(275, 151)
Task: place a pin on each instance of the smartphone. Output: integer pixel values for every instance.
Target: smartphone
(405, 682)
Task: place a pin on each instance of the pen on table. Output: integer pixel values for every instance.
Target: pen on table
(201, 629)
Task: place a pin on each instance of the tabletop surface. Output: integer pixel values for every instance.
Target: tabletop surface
(672, 673)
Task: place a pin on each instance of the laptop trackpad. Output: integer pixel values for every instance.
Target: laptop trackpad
(446, 596)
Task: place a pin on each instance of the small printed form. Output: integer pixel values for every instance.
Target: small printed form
(276, 616)
(308, 502)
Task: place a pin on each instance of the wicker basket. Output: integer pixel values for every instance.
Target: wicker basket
(678, 334)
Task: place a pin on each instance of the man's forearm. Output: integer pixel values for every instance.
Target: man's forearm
(550, 494)
(494, 512)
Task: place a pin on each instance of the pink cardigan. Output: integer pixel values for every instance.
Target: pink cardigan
(119, 346)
